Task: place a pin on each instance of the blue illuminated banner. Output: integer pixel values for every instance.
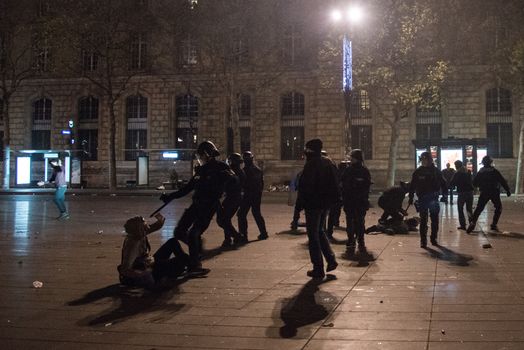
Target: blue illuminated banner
(171, 155)
(66, 132)
(347, 78)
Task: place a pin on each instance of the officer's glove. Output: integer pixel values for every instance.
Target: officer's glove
(164, 198)
(508, 193)
(410, 201)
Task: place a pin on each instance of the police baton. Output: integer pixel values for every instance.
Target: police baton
(159, 209)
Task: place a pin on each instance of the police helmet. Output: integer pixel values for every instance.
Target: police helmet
(207, 148)
(357, 154)
(247, 155)
(487, 160)
(235, 159)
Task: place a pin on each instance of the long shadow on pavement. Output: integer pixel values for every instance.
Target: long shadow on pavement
(127, 302)
(303, 309)
(449, 255)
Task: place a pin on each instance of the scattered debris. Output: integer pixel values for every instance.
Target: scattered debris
(20, 262)
(108, 324)
(443, 331)
(113, 194)
(328, 324)
(38, 284)
(487, 246)
(100, 232)
(382, 302)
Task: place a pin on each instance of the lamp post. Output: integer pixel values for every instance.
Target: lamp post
(351, 15)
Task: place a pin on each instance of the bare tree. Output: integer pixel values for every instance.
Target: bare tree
(106, 43)
(398, 65)
(20, 58)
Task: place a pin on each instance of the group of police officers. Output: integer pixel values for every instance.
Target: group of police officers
(322, 189)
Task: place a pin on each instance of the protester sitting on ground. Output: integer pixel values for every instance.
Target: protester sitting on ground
(138, 268)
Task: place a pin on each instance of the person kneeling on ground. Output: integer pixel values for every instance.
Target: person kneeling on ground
(138, 268)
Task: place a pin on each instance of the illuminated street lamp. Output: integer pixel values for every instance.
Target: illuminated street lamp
(352, 15)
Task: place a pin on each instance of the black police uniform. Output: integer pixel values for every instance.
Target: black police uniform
(230, 205)
(463, 182)
(427, 182)
(318, 190)
(207, 185)
(251, 199)
(356, 182)
(391, 202)
(489, 180)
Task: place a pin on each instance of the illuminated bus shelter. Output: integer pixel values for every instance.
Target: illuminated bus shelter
(444, 151)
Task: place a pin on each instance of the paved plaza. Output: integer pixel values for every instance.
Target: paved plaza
(461, 295)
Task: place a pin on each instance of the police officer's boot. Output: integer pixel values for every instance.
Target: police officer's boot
(423, 240)
(350, 246)
(433, 239)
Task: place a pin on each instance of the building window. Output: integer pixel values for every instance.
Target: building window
(292, 44)
(41, 52)
(499, 123)
(292, 126)
(136, 135)
(138, 51)
(188, 51)
(428, 122)
(361, 123)
(41, 129)
(238, 49)
(89, 61)
(3, 51)
(186, 130)
(88, 127)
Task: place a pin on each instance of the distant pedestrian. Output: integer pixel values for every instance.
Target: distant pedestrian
(356, 182)
(231, 202)
(318, 190)
(59, 179)
(448, 175)
(488, 180)
(251, 198)
(427, 182)
(207, 186)
(463, 182)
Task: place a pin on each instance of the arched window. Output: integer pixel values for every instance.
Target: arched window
(292, 126)
(361, 123)
(499, 123)
(136, 116)
(88, 127)
(1, 127)
(186, 129)
(41, 129)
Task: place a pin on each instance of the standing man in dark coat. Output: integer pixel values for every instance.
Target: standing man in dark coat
(231, 202)
(356, 182)
(426, 182)
(318, 190)
(207, 186)
(448, 175)
(488, 180)
(252, 197)
(462, 181)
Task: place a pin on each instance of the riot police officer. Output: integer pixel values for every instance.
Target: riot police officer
(252, 197)
(231, 202)
(356, 182)
(207, 186)
(488, 180)
(426, 182)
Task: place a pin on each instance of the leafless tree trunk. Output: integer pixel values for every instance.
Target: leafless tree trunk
(393, 148)
(518, 178)
(112, 145)
(7, 145)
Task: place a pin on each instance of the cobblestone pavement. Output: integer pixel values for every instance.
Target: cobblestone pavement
(457, 296)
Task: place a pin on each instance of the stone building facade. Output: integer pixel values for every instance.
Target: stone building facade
(316, 109)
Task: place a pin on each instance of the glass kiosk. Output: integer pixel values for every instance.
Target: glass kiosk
(443, 151)
(33, 166)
